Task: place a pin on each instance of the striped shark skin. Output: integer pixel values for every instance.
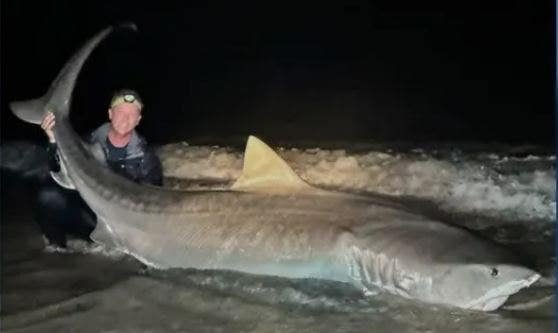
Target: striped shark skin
(271, 222)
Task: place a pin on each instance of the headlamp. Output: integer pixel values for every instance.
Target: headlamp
(129, 98)
(126, 97)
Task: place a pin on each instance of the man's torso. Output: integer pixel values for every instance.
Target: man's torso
(132, 161)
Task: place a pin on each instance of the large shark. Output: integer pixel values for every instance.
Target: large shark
(272, 222)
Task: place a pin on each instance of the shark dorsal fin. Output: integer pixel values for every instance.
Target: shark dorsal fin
(265, 171)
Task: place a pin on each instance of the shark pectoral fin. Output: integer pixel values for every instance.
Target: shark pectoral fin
(265, 171)
(31, 111)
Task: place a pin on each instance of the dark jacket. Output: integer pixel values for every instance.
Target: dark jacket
(140, 163)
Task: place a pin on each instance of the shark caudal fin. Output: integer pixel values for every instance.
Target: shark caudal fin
(31, 111)
(58, 97)
(265, 171)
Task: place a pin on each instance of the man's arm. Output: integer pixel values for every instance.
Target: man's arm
(53, 159)
(52, 150)
(57, 170)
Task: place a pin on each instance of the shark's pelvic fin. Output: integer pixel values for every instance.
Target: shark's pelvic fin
(265, 171)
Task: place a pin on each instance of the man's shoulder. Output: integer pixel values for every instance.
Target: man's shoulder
(100, 134)
(138, 145)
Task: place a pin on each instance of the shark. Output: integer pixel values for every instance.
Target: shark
(272, 222)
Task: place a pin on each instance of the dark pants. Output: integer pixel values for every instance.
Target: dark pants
(61, 212)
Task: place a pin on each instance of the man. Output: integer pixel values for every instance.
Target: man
(62, 211)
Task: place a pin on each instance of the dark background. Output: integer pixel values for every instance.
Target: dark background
(353, 70)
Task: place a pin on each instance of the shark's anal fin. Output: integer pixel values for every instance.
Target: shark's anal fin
(265, 171)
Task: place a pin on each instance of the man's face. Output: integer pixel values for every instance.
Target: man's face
(124, 117)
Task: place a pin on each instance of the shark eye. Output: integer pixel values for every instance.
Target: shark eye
(494, 272)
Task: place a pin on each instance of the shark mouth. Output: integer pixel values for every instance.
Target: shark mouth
(494, 298)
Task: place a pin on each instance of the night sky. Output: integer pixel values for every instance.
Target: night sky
(353, 70)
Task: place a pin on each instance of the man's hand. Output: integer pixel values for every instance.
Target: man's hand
(47, 125)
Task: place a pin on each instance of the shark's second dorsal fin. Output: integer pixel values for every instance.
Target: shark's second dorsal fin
(265, 171)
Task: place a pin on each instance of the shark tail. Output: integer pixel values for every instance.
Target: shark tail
(59, 95)
(31, 111)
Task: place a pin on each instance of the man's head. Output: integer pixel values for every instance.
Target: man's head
(125, 111)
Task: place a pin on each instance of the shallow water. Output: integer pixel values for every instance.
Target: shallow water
(86, 289)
